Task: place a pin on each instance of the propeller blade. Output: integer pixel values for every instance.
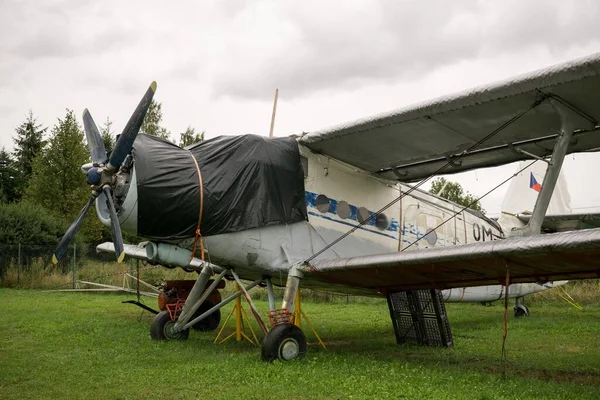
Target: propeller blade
(94, 140)
(70, 233)
(125, 142)
(114, 223)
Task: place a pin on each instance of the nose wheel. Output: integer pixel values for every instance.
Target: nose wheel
(285, 342)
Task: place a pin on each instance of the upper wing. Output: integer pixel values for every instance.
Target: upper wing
(566, 222)
(415, 142)
(557, 256)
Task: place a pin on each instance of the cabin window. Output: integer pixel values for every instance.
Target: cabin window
(431, 237)
(382, 222)
(432, 227)
(304, 162)
(363, 215)
(322, 203)
(343, 209)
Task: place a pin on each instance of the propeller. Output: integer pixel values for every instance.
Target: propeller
(125, 142)
(100, 175)
(114, 224)
(94, 140)
(70, 233)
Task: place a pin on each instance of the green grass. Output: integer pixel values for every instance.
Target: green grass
(72, 345)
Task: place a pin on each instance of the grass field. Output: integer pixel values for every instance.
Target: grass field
(69, 345)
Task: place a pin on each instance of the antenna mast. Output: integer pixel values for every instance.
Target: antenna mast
(274, 111)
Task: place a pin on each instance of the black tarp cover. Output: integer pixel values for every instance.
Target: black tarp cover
(249, 181)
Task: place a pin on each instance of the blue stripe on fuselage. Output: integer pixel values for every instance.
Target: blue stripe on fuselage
(311, 201)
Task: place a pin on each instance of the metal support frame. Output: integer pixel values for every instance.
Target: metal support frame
(570, 121)
(261, 323)
(193, 297)
(183, 320)
(222, 304)
(299, 314)
(518, 150)
(240, 331)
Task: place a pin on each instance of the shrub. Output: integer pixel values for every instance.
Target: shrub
(27, 233)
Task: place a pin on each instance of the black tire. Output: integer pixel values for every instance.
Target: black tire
(284, 342)
(521, 311)
(161, 328)
(209, 323)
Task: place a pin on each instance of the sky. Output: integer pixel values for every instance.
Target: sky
(218, 63)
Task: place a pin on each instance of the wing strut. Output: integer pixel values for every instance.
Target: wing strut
(570, 119)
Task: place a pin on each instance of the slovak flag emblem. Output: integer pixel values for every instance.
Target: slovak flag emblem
(533, 183)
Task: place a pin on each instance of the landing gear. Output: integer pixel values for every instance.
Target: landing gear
(209, 323)
(521, 309)
(284, 342)
(162, 328)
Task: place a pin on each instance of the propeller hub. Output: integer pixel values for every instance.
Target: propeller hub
(94, 176)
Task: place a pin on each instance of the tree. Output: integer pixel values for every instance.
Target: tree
(57, 183)
(190, 136)
(9, 176)
(454, 192)
(152, 121)
(107, 135)
(29, 143)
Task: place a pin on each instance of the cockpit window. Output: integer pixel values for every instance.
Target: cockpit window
(304, 162)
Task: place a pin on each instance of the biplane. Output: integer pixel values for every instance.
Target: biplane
(341, 210)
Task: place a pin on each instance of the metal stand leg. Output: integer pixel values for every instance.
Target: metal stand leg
(240, 332)
(299, 314)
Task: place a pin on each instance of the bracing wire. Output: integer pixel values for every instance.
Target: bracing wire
(475, 201)
(423, 181)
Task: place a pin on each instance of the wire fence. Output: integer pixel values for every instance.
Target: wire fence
(30, 266)
(24, 255)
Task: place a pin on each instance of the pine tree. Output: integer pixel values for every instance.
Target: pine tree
(190, 136)
(29, 143)
(57, 183)
(152, 121)
(9, 175)
(107, 135)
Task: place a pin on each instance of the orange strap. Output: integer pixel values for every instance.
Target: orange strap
(198, 237)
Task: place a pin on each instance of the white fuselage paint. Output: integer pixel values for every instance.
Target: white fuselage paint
(418, 220)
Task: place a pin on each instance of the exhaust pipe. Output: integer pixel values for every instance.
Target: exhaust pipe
(168, 254)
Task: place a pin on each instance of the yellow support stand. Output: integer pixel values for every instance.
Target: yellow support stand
(567, 297)
(298, 314)
(240, 331)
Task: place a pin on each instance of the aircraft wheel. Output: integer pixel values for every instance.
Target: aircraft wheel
(161, 328)
(521, 310)
(284, 342)
(209, 323)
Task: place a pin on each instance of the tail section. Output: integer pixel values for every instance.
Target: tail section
(524, 190)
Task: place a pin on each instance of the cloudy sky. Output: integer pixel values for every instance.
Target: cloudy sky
(217, 63)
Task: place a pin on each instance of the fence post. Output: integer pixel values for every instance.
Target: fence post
(131, 272)
(74, 261)
(19, 264)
